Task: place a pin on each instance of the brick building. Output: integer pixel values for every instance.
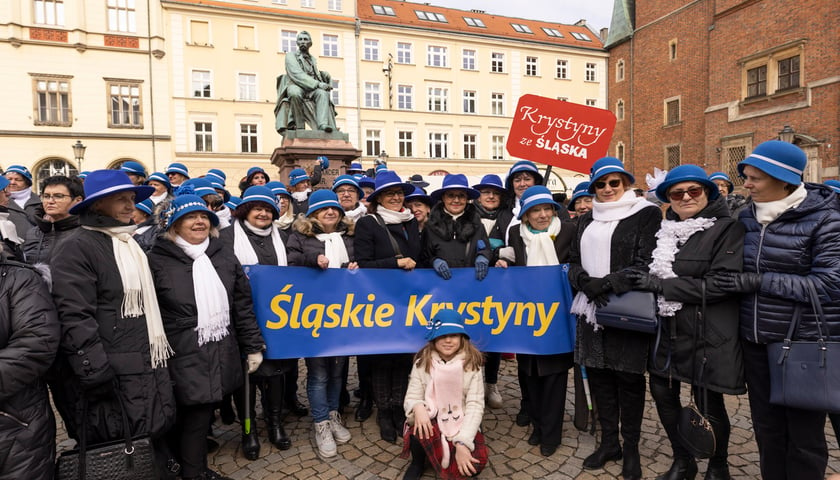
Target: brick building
(703, 82)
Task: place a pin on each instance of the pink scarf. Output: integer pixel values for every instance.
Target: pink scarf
(444, 399)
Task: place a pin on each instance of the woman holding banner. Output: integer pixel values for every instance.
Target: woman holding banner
(614, 239)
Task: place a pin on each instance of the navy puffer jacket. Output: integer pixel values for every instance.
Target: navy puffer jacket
(802, 244)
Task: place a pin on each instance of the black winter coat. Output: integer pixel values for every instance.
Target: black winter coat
(501, 219)
(542, 365)
(303, 248)
(633, 240)
(373, 247)
(24, 218)
(457, 241)
(29, 333)
(802, 244)
(99, 345)
(705, 255)
(42, 238)
(203, 374)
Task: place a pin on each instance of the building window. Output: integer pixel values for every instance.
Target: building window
(245, 37)
(247, 87)
(468, 60)
(405, 143)
(672, 111)
(52, 102)
(581, 36)
(203, 137)
(733, 152)
(552, 32)
(405, 97)
(430, 16)
(330, 45)
(404, 53)
(53, 167)
(436, 56)
(469, 101)
(563, 99)
(531, 66)
(591, 102)
(202, 84)
(248, 137)
(789, 73)
(288, 41)
(382, 10)
(757, 81)
(438, 99)
(199, 32)
(562, 70)
(470, 145)
(373, 142)
(497, 147)
(122, 16)
(372, 95)
(334, 93)
(619, 151)
(521, 28)
(772, 70)
(124, 105)
(307, 3)
(619, 71)
(474, 22)
(590, 72)
(371, 49)
(619, 110)
(49, 12)
(497, 62)
(672, 157)
(497, 104)
(672, 50)
(334, 5)
(438, 145)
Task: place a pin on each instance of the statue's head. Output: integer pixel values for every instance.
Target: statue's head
(303, 40)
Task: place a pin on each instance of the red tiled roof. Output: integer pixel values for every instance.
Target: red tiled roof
(273, 9)
(495, 25)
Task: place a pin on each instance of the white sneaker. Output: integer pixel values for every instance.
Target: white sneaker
(339, 432)
(324, 439)
(492, 395)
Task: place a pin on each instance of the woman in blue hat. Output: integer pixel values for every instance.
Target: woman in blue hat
(255, 176)
(24, 205)
(614, 239)
(697, 242)
(163, 189)
(420, 205)
(581, 201)
(792, 240)
(735, 201)
(349, 196)
(208, 313)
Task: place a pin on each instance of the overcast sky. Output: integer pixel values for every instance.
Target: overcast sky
(596, 12)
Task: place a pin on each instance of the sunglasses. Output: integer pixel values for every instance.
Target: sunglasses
(614, 183)
(692, 192)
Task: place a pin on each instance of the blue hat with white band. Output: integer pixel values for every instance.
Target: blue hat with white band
(146, 206)
(605, 166)
(536, 195)
(523, 166)
(185, 204)
(216, 174)
(685, 173)
(348, 180)
(263, 194)
(277, 188)
(722, 176)
(178, 168)
(387, 179)
(134, 168)
(366, 181)
(445, 322)
(200, 187)
(233, 202)
(355, 167)
(781, 160)
(581, 190)
(159, 177)
(323, 199)
(418, 195)
(22, 171)
(833, 184)
(297, 175)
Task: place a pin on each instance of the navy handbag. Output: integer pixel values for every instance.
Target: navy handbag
(633, 310)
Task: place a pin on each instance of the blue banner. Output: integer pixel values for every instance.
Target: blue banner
(305, 312)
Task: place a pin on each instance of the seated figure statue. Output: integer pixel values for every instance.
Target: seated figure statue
(303, 92)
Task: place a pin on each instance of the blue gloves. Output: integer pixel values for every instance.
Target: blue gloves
(482, 265)
(324, 162)
(442, 268)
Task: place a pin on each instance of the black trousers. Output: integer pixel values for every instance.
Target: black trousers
(189, 437)
(547, 405)
(791, 442)
(620, 397)
(389, 379)
(666, 394)
(492, 362)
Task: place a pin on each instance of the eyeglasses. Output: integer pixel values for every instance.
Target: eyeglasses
(393, 193)
(215, 204)
(489, 193)
(55, 196)
(614, 183)
(345, 191)
(692, 192)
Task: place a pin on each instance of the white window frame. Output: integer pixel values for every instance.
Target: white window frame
(288, 41)
(437, 54)
(469, 59)
(405, 143)
(532, 63)
(370, 50)
(497, 104)
(49, 12)
(206, 80)
(373, 95)
(196, 133)
(252, 137)
(590, 72)
(438, 140)
(469, 97)
(330, 44)
(247, 87)
(335, 93)
(438, 99)
(561, 70)
(373, 142)
(497, 62)
(334, 5)
(405, 53)
(122, 16)
(497, 147)
(469, 143)
(405, 97)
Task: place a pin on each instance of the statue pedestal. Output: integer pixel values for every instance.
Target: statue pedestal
(300, 149)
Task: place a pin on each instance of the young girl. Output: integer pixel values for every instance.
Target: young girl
(445, 402)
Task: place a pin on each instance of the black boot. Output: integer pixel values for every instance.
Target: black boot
(631, 468)
(386, 425)
(226, 410)
(418, 460)
(682, 469)
(365, 408)
(273, 415)
(398, 416)
(600, 457)
(604, 395)
(250, 441)
(717, 471)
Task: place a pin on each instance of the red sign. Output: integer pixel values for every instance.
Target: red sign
(563, 134)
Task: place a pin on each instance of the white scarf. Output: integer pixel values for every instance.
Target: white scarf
(285, 220)
(671, 236)
(158, 198)
(244, 250)
(446, 389)
(766, 212)
(301, 196)
(139, 295)
(211, 298)
(356, 213)
(8, 231)
(391, 217)
(514, 221)
(224, 218)
(539, 247)
(334, 248)
(596, 244)
(21, 196)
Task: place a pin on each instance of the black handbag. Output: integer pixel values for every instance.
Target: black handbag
(127, 459)
(693, 428)
(633, 310)
(805, 373)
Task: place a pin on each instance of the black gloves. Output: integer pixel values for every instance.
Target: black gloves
(596, 291)
(619, 282)
(645, 282)
(746, 282)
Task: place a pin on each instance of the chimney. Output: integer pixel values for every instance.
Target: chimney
(603, 34)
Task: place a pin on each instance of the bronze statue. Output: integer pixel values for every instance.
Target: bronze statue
(303, 92)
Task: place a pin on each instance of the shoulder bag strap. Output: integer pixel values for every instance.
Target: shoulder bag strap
(701, 337)
(394, 245)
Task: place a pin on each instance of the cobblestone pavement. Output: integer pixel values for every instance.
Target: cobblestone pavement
(367, 456)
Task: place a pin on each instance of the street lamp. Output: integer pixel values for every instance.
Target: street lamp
(787, 134)
(79, 153)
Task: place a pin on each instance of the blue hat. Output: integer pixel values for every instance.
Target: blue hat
(685, 173)
(102, 183)
(348, 180)
(419, 194)
(322, 199)
(178, 168)
(387, 179)
(445, 322)
(22, 171)
(159, 177)
(833, 184)
(523, 166)
(133, 167)
(533, 196)
(456, 181)
(277, 188)
(490, 181)
(324, 161)
(185, 204)
(722, 176)
(146, 206)
(366, 181)
(217, 174)
(581, 190)
(606, 166)
(261, 193)
(297, 175)
(233, 202)
(217, 185)
(4, 182)
(253, 171)
(200, 187)
(380, 168)
(781, 160)
(355, 167)
(83, 175)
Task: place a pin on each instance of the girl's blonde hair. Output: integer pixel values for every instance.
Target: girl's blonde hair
(473, 359)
